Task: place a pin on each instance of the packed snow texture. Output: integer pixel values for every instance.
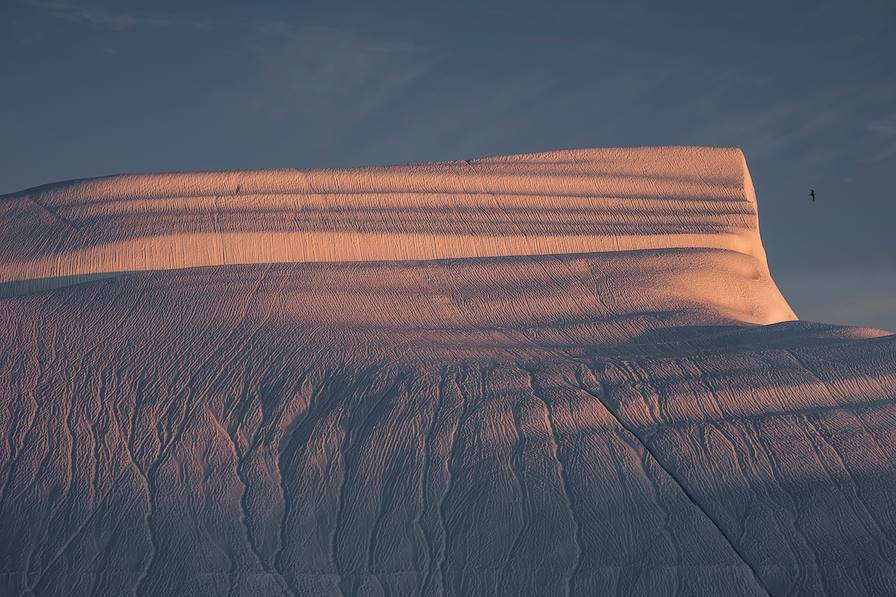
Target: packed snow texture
(546, 374)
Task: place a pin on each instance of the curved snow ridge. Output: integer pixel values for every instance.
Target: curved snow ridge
(563, 202)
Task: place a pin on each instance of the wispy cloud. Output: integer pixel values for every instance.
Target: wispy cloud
(335, 74)
(95, 16)
(764, 130)
(799, 127)
(885, 125)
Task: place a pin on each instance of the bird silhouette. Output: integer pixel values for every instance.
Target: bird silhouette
(812, 194)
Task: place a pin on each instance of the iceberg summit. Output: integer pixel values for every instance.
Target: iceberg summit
(563, 373)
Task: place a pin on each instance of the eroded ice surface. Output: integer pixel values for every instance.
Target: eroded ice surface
(543, 374)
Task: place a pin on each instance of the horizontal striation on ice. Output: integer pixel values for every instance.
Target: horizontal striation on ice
(567, 202)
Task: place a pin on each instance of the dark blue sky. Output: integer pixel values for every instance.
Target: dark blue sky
(806, 89)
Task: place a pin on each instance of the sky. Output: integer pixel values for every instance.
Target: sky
(806, 89)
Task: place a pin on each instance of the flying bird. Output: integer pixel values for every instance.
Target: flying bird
(812, 194)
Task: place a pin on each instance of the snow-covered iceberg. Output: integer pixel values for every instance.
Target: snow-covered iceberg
(555, 373)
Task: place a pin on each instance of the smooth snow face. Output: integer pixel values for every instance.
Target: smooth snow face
(620, 202)
(569, 402)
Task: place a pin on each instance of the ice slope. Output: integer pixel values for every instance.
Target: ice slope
(573, 400)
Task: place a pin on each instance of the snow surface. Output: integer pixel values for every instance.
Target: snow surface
(537, 374)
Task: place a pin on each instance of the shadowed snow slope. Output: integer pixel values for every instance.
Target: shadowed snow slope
(536, 374)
